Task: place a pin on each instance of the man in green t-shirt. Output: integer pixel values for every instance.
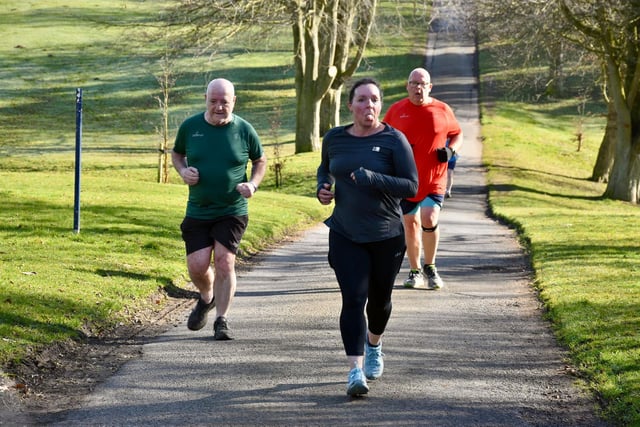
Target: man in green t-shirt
(211, 153)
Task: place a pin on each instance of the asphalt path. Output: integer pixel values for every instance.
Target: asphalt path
(476, 353)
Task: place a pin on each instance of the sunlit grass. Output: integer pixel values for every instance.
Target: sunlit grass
(57, 284)
(585, 251)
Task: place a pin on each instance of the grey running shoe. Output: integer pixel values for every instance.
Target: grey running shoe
(221, 330)
(373, 363)
(415, 279)
(198, 317)
(434, 279)
(357, 383)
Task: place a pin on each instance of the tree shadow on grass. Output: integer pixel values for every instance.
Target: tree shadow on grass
(513, 187)
(541, 189)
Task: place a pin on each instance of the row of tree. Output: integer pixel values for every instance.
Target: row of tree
(330, 37)
(607, 30)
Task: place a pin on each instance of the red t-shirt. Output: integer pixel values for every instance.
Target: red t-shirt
(427, 127)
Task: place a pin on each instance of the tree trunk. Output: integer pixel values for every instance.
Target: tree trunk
(330, 109)
(610, 29)
(307, 123)
(624, 183)
(313, 70)
(607, 151)
(556, 72)
(359, 14)
(624, 180)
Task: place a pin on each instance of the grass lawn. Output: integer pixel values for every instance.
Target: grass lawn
(585, 251)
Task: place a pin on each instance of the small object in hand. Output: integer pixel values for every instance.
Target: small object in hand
(444, 154)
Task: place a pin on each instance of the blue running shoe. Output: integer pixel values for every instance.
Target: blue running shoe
(373, 363)
(357, 383)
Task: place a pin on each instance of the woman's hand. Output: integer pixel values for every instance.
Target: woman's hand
(325, 195)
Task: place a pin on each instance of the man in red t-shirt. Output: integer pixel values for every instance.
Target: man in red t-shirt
(427, 123)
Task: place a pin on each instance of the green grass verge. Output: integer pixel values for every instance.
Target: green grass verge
(584, 250)
(57, 284)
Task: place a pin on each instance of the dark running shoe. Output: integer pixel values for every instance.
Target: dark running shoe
(221, 330)
(198, 317)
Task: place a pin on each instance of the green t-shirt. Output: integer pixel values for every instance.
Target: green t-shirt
(221, 155)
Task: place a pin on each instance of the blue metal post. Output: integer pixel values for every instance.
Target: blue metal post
(76, 200)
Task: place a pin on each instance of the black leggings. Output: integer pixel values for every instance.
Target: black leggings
(365, 271)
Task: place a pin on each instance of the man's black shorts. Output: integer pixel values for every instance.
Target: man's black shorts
(227, 230)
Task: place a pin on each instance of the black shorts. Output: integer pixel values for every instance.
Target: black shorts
(227, 230)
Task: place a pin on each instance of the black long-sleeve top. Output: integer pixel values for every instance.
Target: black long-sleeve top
(367, 209)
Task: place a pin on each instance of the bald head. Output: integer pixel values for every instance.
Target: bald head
(220, 99)
(221, 85)
(420, 75)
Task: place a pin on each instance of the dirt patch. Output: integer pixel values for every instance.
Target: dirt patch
(43, 387)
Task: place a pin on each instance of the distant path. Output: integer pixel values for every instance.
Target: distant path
(475, 353)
